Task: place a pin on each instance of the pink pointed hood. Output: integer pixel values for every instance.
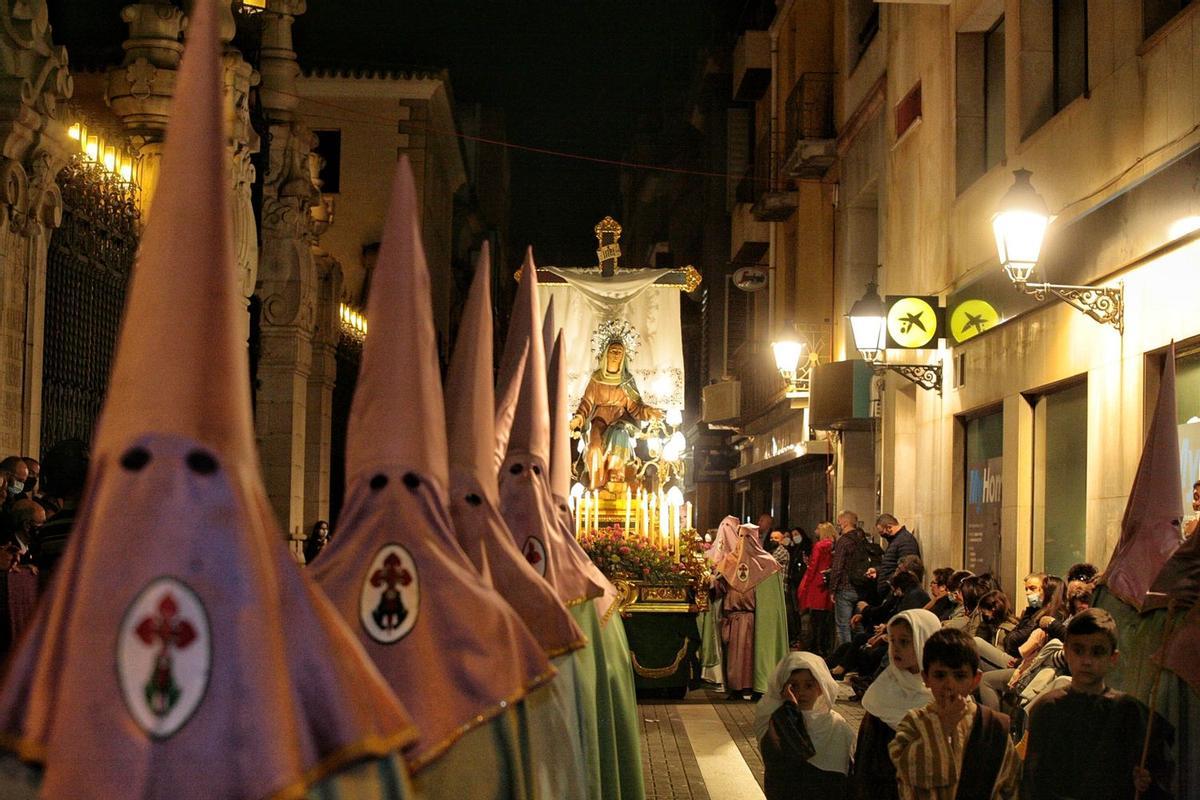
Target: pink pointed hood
(474, 496)
(1150, 529)
(560, 415)
(526, 500)
(207, 663)
(452, 649)
(515, 358)
(744, 563)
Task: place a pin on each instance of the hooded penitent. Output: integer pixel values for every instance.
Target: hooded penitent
(1150, 528)
(526, 500)
(474, 496)
(747, 564)
(205, 664)
(453, 650)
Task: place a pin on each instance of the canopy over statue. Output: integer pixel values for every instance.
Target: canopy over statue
(646, 299)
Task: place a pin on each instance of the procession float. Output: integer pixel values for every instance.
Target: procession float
(623, 351)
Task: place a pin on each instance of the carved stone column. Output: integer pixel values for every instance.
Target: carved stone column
(287, 278)
(321, 379)
(139, 92)
(33, 149)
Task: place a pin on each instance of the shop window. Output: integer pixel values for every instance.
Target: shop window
(1060, 479)
(1156, 13)
(983, 473)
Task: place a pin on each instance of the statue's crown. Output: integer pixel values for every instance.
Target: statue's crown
(616, 330)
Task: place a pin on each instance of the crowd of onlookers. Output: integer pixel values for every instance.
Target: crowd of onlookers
(39, 505)
(938, 671)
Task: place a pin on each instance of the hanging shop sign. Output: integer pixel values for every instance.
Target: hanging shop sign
(971, 317)
(914, 323)
(750, 279)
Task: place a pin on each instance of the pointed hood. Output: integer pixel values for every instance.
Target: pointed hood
(1150, 528)
(746, 564)
(452, 649)
(474, 496)
(208, 661)
(560, 419)
(526, 500)
(530, 426)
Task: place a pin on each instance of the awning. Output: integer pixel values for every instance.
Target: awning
(816, 447)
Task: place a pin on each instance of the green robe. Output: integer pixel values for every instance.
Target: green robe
(554, 767)
(612, 745)
(770, 630)
(487, 763)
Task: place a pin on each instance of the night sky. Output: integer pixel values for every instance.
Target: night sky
(570, 75)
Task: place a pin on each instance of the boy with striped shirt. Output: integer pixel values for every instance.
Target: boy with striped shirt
(931, 742)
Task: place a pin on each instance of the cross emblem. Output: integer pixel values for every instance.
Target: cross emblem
(170, 631)
(743, 573)
(608, 252)
(390, 612)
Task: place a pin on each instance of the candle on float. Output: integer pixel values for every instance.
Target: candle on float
(628, 506)
(578, 502)
(687, 515)
(663, 531)
(596, 518)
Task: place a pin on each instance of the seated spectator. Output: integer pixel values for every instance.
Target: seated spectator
(1079, 597)
(1048, 618)
(970, 590)
(941, 602)
(864, 652)
(954, 592)
(806, 745)
(1082, 572)
(1028, 619)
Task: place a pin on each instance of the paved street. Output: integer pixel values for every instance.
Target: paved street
(703, 747)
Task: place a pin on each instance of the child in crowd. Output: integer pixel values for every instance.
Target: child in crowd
(1086, 740)
(896, 691)
(806, 746)
(931, 742)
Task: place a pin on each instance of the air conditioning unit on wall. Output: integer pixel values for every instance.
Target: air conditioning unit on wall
(721, 401)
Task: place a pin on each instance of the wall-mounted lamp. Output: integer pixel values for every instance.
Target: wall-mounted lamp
(868, 323)
(1020, 224)
(789, 360)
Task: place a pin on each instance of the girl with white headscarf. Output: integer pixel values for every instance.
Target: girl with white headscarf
(806, 745)
(896, 691)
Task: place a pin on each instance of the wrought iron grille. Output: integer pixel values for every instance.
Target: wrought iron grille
(90, 258)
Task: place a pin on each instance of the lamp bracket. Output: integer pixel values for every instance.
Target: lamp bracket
(927, 376)
(1106, 305)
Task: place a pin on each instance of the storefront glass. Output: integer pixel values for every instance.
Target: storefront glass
(1187, 404)
(1060, 480)
(983, 477)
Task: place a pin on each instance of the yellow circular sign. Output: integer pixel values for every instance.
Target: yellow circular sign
(971, 318)
(912, 322)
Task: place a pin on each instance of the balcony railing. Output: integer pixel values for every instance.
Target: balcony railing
(809, 149)
(809, 109)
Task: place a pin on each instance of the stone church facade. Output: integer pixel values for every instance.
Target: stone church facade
(79, 161)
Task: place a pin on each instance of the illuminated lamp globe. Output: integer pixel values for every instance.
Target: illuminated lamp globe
(867, 323)
(674, 416)
(674, 497)
(787, 355)
(1020, 225)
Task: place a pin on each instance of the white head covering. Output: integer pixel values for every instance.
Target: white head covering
(896, 692)
(831, 735)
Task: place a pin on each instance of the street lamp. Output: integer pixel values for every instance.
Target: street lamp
(1019, 225)
(868, 323)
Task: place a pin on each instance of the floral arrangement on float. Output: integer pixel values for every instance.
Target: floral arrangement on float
(649, 573)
